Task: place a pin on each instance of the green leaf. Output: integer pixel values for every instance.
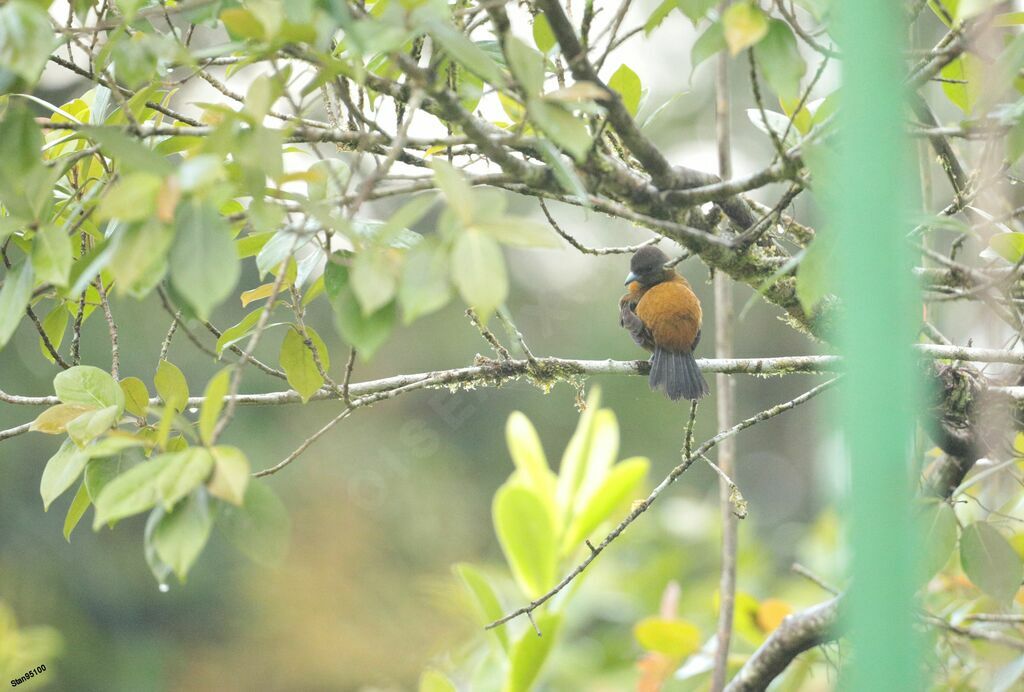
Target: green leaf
(528, 456)
(1010, 246)
(230, 474)
(171, 385)
(543, 37)
(395, 231)
(99, 472)
(134, 491)
(51, 255)
(61, 471)
(965, 9)
(464, 51)
(180, 535)
(242, 23)
(204, 264)
(132, 197)
(14, 298)
(478, 271)
(90, 425)
(990, 562)
(674, 638)
(526, 531)
(262, 94)
(365, 333)
(139, 260)
(160, 569)
(565, 174)
(590, 452)
(530, 652)
(26, 186)
(329, 178)
(457, 192)
(136, 396)
(744, 25)
(89, 386)
(618, 485)
(260, 527)
(527, 66)
(780, 60)
(565, 129)
(518, 232)
(297, 361)
(968, 74)
(54, 420)
(188, 470)
(373, 279)
(658, 15)
(26, 39)
(424, 285)
(711, 42)
(815, 273)
(134, 58)
(435, 681)
(937, 535)
(238, 331)
(129, 153)
(213, 402)
(76, 511)
(54, 326)
(627, 83)
(484, 598)
(695, 9)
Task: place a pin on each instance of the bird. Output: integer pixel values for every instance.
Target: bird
(662, 314)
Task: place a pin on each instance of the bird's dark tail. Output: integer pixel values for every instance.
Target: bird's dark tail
(676, 373)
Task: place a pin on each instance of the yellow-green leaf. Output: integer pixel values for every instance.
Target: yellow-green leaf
(76, 511)
(54, 420)
(188, 469)
(180, 535)
(297, 361)
(230, 474)
(528, 455)
(171, 385)
(530, 652)
(744, 25)
(526, 531)
(61, 471)
(627, 83)
(675, 638)
(990, 562)
(485, 600)
(136, 396)
(621, 483)
(478, 271)
(213, 402)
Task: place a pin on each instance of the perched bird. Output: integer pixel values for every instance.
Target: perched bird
(662, 314)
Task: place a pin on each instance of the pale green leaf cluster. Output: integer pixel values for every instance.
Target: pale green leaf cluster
(544, 520)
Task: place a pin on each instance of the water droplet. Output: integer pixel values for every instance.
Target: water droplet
(164, 588)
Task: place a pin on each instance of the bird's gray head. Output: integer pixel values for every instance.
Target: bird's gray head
(648, 267)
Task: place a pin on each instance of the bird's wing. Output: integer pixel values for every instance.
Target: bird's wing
(671, 313)
(633, 324)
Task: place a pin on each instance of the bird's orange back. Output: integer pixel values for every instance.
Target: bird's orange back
(671, 313)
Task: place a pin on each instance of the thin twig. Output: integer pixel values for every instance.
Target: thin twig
(488, 336)
(629, 249)
(115, 353)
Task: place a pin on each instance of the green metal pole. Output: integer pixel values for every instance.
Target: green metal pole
(877, 328)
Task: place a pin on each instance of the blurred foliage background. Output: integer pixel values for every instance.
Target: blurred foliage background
(386, 503)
